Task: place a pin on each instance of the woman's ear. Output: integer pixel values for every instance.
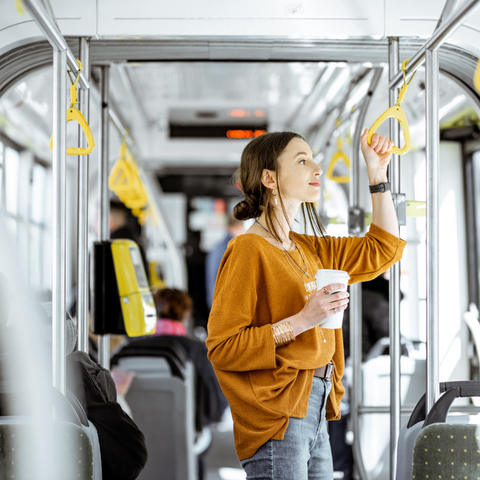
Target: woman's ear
(269, 178)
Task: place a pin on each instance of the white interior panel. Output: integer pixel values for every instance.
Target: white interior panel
(411, 17)
(312, 18)
(453, 287)
(76, 18)
(73, 19)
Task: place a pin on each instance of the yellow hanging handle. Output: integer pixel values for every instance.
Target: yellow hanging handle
(339, 155)
(125, 181)
(476, 77)
(395, 112)
(74, 114)
(19, 7)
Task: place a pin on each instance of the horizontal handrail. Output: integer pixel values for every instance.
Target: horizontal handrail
(53, 35)
(407, 409)
(436, 40)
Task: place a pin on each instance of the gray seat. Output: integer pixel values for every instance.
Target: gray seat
(66, 448)
(162, 401)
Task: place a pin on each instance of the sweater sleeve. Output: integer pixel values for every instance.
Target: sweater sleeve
(236, 340)
(364, 258)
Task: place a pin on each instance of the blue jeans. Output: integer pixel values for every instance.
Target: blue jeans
(304, 453)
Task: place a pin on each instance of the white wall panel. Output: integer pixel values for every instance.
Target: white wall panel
(419, 19)
(412, 18)
(73, 18)
(76, 18)
(308, 18)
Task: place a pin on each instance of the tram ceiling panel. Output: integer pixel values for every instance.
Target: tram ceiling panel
(23, 59)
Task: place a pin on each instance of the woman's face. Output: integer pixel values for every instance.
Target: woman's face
(299, 175)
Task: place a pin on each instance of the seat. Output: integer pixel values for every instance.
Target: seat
(66, 447)
(162, 400)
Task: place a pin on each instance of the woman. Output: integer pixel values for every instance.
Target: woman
(265, 341)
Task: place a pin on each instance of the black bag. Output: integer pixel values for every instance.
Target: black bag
(122, 444)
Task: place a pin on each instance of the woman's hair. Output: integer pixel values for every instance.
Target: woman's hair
(262, 153)
(172, 303)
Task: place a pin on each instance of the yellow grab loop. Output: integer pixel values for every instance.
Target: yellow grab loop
(74, 114)
(125, 182)
(339, 155)
(476, 77)
(395, 112)
(19, 7)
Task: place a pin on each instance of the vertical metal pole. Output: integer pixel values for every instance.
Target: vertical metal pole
(59, 217)
(432, 145)
(104, 205)
(394, 294)
(356, 289)
(82, 208)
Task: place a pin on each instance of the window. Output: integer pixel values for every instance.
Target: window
(2, 148)
(12, 169)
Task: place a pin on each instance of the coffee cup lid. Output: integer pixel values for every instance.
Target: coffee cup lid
(332, 273)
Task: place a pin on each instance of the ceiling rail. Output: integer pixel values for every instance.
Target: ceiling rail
(439, 37)
(53, 35)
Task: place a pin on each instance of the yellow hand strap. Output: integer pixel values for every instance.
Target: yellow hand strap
(476, 77)
(19, 7)
(124, 180)
(337, 157)
(395, 112)
(74, 114)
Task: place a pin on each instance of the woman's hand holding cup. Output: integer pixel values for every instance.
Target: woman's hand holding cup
(321, 305)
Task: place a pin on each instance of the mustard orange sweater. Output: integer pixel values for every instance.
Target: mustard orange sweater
(256, 286)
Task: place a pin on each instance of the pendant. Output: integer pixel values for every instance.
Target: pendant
(324, 341)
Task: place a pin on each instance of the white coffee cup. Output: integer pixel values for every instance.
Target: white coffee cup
(326, 277)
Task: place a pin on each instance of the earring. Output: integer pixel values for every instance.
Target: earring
(275, 198)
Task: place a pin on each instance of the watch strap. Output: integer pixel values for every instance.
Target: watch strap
(380, 188)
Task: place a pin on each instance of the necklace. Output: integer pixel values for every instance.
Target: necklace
(293, 263)
(305, 272)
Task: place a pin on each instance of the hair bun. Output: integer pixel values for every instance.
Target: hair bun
(246, 209)
(241, 211)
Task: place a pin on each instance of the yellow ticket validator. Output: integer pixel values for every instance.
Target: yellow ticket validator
(136, 300)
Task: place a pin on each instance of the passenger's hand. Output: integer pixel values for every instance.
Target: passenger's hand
(123, 380)
(376, 156)
(323, 304)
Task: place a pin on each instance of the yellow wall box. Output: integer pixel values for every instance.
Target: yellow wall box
(123, 302)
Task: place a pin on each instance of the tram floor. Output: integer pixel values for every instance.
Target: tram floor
(221, 462)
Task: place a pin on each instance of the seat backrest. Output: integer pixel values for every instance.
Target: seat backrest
(161, 398)
(51, 450)
(447, 451)
(69, 413)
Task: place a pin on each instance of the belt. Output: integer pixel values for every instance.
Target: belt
(325, 372)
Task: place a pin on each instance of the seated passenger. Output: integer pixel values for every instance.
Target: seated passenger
(122, 444)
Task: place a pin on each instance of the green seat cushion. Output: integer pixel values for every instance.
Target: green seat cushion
(59, 450)
(447, 451)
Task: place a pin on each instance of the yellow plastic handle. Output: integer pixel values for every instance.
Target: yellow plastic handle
(393, 112)
(125, 181)
(476, 77)
(19, 7)
(76, 115)
(340, 155)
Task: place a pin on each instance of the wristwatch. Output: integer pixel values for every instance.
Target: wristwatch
(380, 188)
